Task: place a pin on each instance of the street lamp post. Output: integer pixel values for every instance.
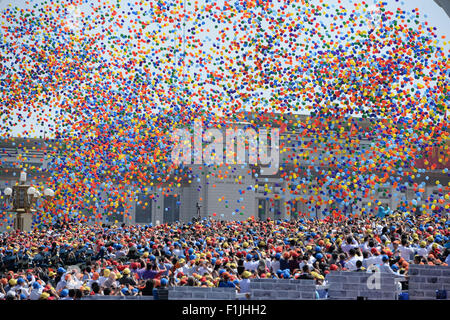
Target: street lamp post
(23, 197)
(198, 211)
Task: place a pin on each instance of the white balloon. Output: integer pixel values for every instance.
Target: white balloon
(49, 192)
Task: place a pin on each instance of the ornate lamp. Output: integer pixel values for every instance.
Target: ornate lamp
(23, 198)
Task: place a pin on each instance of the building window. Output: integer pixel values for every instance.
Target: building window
(88, 214)
(171, 209)
(117, 215)
(143, 209)
(262, 209)
(277, 208)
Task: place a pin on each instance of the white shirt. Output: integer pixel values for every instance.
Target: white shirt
(90, 282)
(251, 265)
(25, 291)
(244, 284)
(364, 247)
(406, 253)
(15, 288)
(61, 285)
(275, 266)
(185, 269)
(379, 229)
(385, 267)
(447, 261)
(35, 294)
(372, 260)
(101, 280)
(110, 255)
(268, 263)
(351, 264)
(346, 247)
(121, 253)
(202, 270)
(422, 252)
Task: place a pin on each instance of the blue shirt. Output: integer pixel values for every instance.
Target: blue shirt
(228, 284)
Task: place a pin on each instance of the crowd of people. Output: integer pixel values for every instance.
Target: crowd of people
(73, 261)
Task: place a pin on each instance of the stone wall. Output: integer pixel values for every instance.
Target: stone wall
(424, 280)
(201, 293)
(348, 285)
(282, 289)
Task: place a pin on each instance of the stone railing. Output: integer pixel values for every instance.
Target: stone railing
(201, 293)
(350, 285)
(282, 289)
(425, 280)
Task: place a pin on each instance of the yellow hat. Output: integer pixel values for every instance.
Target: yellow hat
(118, 275)
(145, 254)
(12, 282)
(126, 271)
(246, 274)
(106, 272)
(317, 275)
(45, 296)
(423, 244)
